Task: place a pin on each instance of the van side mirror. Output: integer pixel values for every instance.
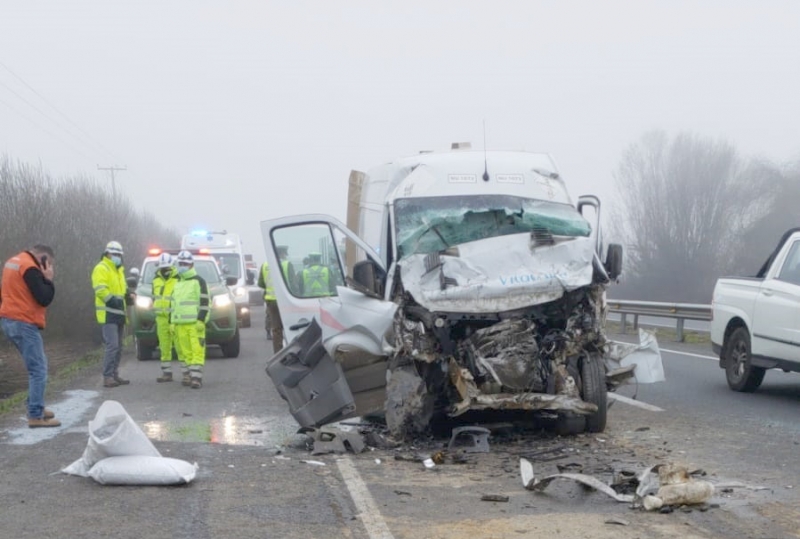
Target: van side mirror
(231, 281)
(251, 277)
(369, 275)
(613, 264)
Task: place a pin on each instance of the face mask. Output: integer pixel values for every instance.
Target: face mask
(117, 260)
(183, 269)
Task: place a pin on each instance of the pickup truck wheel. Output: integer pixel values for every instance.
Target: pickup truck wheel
(594, 390)
(231, 348)
(740, 372)
(143, 352)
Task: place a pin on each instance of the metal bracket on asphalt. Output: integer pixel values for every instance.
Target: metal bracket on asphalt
(478, 436)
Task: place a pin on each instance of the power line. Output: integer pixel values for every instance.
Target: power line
(56, 109)
(67, 144)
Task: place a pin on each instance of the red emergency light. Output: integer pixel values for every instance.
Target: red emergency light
(205, 251)
(154, 251)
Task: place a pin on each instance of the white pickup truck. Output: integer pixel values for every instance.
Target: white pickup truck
(756, 320)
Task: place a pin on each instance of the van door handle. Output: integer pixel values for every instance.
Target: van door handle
(767, 291)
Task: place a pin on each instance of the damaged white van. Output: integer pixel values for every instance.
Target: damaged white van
(472, 282)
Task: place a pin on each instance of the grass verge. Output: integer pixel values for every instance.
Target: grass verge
(664, 334)
(58, 379)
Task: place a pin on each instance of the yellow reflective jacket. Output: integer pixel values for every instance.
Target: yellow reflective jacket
(110, 289)
(162, 292)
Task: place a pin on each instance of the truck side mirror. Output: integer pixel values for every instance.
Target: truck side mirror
(613, 262)
(369, 275)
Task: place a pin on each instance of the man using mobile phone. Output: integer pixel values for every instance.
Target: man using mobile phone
(27, 290)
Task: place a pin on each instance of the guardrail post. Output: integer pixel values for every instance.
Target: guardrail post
(680, 329)
(635, 323)
(624, 320)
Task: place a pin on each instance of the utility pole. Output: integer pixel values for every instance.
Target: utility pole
(112, 169)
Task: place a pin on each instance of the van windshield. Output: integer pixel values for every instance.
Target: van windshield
(430, 224)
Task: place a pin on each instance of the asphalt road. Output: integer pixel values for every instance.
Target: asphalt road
(254, 478)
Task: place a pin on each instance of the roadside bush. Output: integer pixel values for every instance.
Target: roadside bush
(77, 217)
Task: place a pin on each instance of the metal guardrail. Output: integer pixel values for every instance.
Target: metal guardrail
(679, 311)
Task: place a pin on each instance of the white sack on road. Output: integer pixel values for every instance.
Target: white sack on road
(645, 355)
(138, 470)
(114, 434)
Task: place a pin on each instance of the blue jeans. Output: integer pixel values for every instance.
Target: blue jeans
(28, 340)
(112, 338)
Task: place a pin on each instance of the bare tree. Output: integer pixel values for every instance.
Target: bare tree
(684, 205)
(77, 217)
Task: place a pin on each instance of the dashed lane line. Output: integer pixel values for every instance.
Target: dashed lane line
(368, 511)
(690, 354)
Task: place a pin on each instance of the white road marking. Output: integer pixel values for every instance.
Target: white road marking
(639, 404)
(365, 503)
(690, 354)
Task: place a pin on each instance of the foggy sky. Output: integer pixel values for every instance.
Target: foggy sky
(230, 112)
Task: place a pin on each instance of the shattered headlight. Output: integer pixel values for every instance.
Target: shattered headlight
(223, 300)
(144, 302)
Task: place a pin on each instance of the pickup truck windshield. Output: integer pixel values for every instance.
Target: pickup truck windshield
(430, 224)
(207, 269)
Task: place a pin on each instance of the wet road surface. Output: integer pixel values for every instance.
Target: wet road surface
(256, 479)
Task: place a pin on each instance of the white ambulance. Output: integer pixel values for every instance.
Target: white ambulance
(227, 249)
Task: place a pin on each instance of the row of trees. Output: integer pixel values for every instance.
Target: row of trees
(690, 209)
(77, 217)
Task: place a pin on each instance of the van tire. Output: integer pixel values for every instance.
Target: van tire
(594, 390)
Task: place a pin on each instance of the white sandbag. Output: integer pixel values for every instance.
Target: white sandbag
(138, 470)
(112, 433)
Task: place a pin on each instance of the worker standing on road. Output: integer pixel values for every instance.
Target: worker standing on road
(274, 324)
(27, 290)
(163, 287)
(190, 313)
(110, 300)
(315, 280)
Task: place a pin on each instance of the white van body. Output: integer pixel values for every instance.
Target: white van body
(227, 249)
(466, 281)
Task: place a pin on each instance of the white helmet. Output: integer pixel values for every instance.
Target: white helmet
(114, 248)
(185, 258)
(164, 260)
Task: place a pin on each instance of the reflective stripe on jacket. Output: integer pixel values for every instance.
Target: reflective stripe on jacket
(266, 279)
(189, 299)
(18, 302)
(108, 282)
(316, 281)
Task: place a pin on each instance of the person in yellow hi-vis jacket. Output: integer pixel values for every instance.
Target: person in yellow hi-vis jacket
(110, 301)
(190, 312)
(273, 318)
(163, 286)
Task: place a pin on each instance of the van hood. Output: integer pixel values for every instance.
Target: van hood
(498, 274)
